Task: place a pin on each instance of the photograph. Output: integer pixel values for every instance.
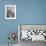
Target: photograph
(10, 11)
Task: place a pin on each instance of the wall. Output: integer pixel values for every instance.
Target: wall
(31, 11)
(6, 26)
(27, 12)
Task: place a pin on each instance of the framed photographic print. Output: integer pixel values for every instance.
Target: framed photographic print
(10, 11)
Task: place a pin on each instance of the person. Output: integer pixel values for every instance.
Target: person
(10, 13)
